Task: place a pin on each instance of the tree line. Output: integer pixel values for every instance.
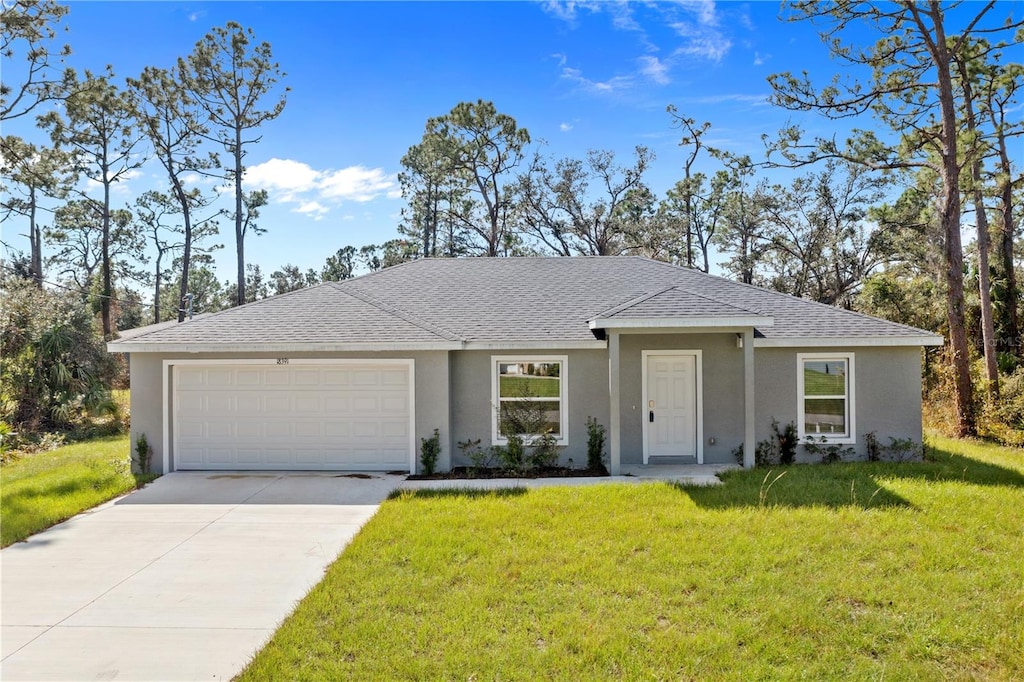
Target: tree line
(873, 223)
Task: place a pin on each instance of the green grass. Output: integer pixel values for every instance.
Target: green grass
(850, 571)
(539, 387)
(40, 490)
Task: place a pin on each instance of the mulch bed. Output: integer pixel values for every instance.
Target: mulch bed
(467, 473)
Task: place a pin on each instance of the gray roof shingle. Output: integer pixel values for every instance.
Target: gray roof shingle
(508, 301)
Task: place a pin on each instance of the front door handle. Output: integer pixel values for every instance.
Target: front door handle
(650, 417)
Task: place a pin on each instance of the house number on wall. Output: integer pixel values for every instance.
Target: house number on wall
(282, 361)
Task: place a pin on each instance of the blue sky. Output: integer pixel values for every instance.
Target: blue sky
(365, 77)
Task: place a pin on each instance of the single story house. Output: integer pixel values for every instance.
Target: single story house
(679, 366)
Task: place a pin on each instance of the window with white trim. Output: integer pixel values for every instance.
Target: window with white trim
(529, 397)
(825, 397)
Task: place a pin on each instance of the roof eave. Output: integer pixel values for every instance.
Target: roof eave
(290, 347)
(538, 344)
(708, 322)
(837, 341)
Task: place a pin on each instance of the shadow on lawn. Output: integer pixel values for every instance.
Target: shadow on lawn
(472, 493)
(854, 484)
(799, 485)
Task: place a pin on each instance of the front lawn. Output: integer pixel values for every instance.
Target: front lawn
(42, 489)
(858, 571)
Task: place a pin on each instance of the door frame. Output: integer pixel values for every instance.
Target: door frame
(169, 391)
(699, 394)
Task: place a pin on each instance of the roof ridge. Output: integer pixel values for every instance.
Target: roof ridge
(426, 325)
(636, 300)
(700, 273)
(611, 312)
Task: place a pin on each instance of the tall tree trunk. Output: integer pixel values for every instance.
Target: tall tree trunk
(1010, 326)
(988, 331)
(108, 328)
(186, 253)
(156, 286)
(239, 230)
(949, 216)
(35, 238)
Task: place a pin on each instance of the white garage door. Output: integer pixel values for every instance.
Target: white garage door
(355, 415)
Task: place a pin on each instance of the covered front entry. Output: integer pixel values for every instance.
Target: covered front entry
(672, 394)
(297, 415)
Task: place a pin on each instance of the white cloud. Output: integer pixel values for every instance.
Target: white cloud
(700, 30)
(613, 84)
(196, 16)
(565, 127)
(312, 208)
(316, 191)
(284, 176)
(355, 183)
(655, 69)
(760, 59)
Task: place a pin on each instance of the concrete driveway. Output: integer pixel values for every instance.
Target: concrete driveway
(183, 580)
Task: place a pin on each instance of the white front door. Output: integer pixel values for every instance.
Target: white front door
(672, 404)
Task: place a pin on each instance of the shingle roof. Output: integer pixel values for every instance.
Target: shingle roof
(433, 302)
(675, 302)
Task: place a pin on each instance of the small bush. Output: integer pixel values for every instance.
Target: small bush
(779, 448)
(430, 449)
(596, 437)
(143, 454)
(874, 448)
(544, 452)
(787, 440)
(830, 454)
(513, 455)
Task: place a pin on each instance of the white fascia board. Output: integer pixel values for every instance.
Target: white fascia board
(845, 341)
(573, 344)
(256, 347)
(683, 322)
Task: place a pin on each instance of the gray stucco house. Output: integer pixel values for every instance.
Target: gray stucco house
(678, 365)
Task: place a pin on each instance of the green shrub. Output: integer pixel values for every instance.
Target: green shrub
(513, 455)
(143, 454)
(596, 437)
(830, 454)
(55, 367)
(787, 440)
(430, 449)
(544, 451)
(778, 448)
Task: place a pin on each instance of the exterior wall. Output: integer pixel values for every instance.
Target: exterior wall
(453, 393)
(887, 392)
(722, 391)
(473, 411)
(431, 398)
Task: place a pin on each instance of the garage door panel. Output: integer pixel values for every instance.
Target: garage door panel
(248, 377)
(394, 378)
(395, 429)
(299, 417)
(307, 377)
(277, 403)
(365, 377)
(219, 429)
(307, 404)
(220, 377)
(394, 404)
(249, 456)
(336, 377)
